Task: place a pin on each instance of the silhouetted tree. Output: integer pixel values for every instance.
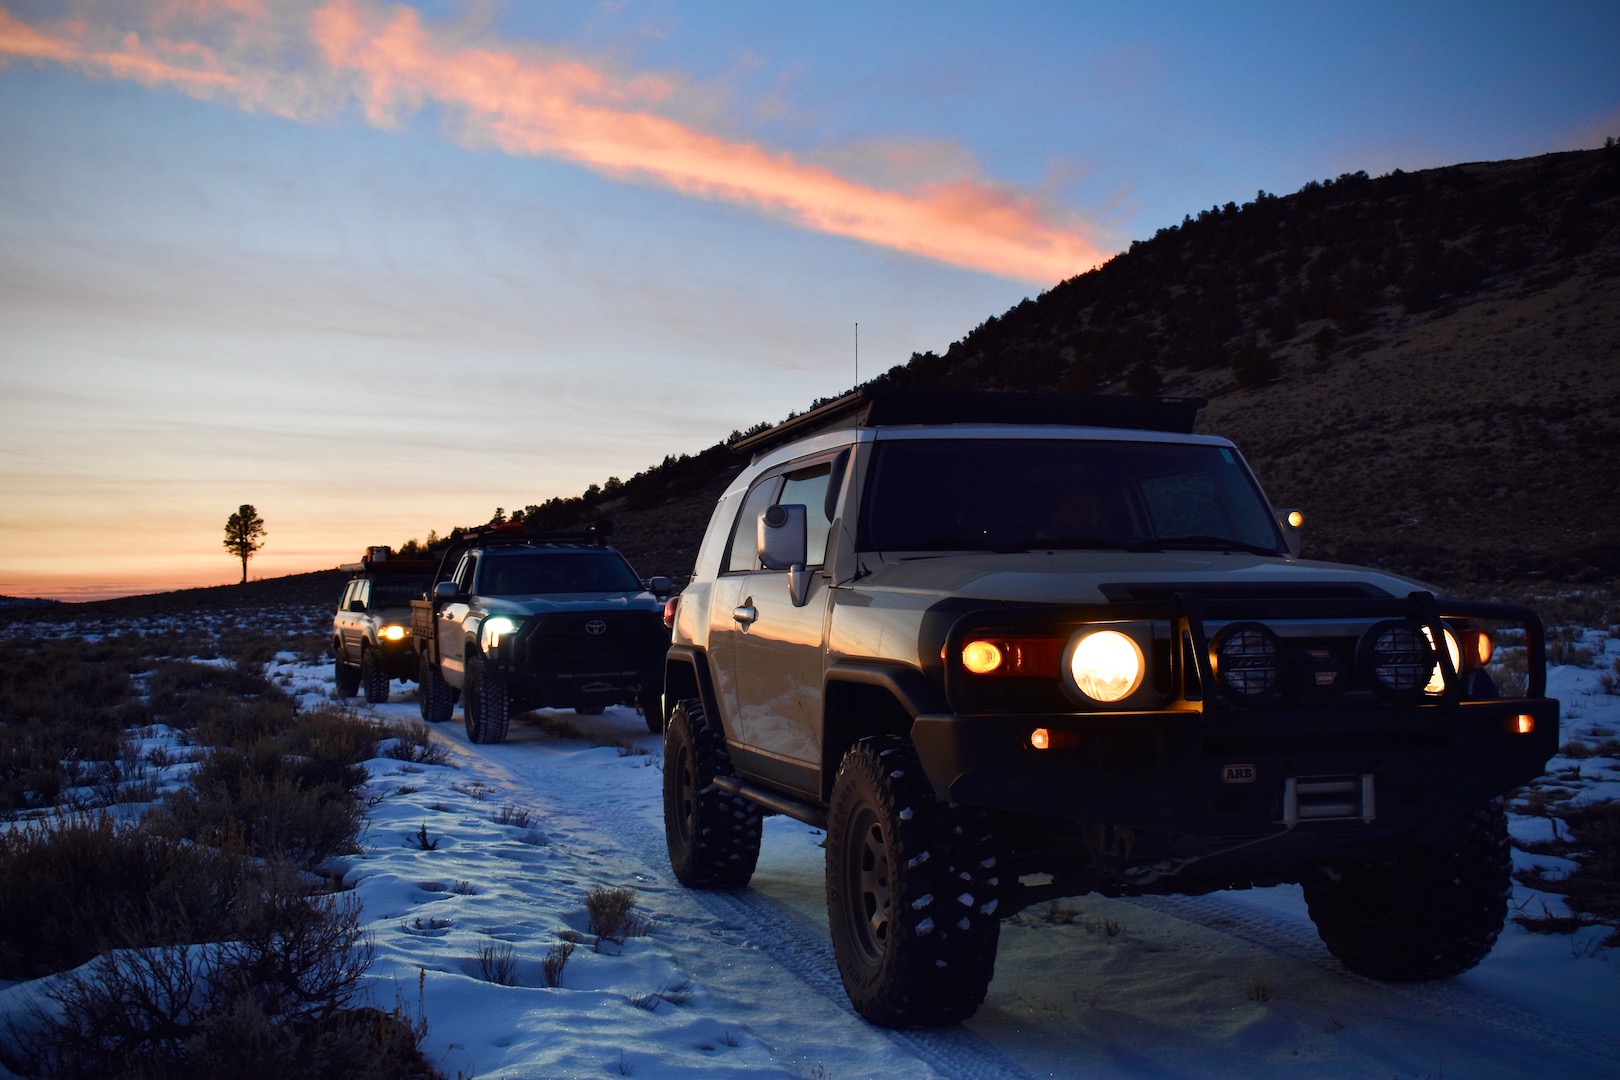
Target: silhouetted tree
(244, 533)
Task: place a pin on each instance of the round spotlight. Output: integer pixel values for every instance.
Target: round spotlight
(1248, 662)
(1107, 665)
(1396, 658)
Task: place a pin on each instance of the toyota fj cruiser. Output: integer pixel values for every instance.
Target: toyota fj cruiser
(1007, 648)
(519, 620)
(371, 631)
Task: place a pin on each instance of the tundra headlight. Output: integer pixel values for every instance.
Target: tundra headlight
(1107, 665)
(493, 631)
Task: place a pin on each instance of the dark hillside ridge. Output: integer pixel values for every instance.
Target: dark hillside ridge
(1427, 364)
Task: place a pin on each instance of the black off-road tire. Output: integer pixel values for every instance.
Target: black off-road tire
(912, 891)
(345, 675)
(1434, 913)
(488, 708)
(374, 677)
(436, 698)
(713, 836)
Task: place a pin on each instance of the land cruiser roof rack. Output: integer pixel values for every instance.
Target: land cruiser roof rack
(870, 407)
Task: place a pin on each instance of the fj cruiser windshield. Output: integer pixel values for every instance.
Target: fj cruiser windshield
(1043, 494)
(534, 573)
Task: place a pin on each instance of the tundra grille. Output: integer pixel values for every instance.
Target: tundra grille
(597, 643)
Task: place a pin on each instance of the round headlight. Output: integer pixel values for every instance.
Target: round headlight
(1248, 661)
(1107, 665)
(1437, 678)
(1396, 658)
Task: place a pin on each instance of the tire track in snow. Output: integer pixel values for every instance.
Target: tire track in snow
(750, 920)
(1299, 941)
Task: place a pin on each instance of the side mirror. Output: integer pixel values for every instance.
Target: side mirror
(358, 606)
(1292, 523)
(445, 590)
(782, 537)
(783, 543)
(660, 586)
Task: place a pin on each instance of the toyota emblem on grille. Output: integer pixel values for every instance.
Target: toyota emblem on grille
(596, 627)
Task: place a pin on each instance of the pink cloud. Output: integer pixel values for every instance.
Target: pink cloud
(529, 101)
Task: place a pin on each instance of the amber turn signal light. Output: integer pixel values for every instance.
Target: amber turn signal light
(1523, 724)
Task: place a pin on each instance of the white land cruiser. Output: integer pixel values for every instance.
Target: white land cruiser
(1007, 648)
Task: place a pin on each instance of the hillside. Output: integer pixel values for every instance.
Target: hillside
(1428, 364)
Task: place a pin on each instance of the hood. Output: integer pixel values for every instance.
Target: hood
(1102, 576)
(540, 605)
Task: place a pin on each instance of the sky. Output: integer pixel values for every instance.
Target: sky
(379, 268)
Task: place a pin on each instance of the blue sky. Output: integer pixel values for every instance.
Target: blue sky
(379, 268)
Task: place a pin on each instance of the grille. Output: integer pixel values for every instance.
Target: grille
(597, 643)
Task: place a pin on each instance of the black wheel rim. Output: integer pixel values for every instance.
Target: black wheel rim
(685, 796)
(871, 899)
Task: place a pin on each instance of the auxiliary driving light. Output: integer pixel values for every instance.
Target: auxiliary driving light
(1248, 661)
(393, 632)
(1107, 665)
(1396, 658)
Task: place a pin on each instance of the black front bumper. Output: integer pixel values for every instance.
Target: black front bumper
(1205, 781)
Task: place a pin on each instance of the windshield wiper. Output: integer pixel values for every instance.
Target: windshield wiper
(1209, 543)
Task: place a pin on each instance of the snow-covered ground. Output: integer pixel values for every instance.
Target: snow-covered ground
(487, 861)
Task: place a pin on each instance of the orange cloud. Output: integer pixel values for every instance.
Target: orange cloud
(527, 101)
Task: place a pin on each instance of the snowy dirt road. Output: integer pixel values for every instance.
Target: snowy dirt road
(497, 851)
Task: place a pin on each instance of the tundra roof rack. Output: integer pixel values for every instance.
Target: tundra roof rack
(871, 407)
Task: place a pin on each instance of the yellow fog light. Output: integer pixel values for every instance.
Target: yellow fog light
(1107, 665)
(1040, 739)
(392, 633)
(981, 657)
(1523, 724)
(1295, 518)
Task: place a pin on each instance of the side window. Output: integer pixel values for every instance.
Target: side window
(363, 594)
(464, 572)
(348, 596)
(809, 487)
(743, 554)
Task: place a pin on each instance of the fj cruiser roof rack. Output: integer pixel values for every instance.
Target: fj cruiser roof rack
(870, 407)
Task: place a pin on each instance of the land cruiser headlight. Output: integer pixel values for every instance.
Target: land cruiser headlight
(493, 630)
(1396, 658)
(1248, 661)
(393, 632)
(1107, 665)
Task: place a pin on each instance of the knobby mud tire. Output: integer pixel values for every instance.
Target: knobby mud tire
(346, 676)
(913, 885)
(713, 836)
(374, 677)
(488, 708)
(437, 700)
(1434, 913)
